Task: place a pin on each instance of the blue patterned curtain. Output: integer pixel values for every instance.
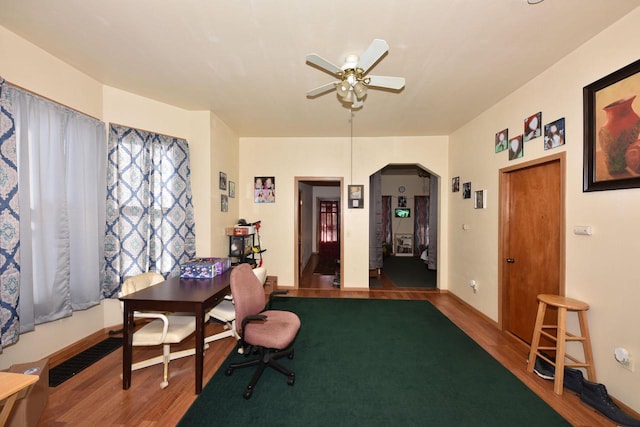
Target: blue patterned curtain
(421, 224)
(10, 225)
(150, 222)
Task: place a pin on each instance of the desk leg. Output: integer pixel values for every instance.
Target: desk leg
(127, 343)
(6, 410)
(199, 347)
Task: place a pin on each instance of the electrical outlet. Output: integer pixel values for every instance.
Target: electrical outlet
(623, 357)
(474, 285)
(628, 365)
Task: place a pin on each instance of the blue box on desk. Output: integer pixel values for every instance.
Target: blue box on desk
(204, 268)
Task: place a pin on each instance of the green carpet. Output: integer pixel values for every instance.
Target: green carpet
(374, 363)
(409, 272)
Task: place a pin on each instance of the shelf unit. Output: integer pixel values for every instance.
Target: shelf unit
(241, 249)
(403, 244)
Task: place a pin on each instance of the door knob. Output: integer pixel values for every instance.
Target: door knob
(511, 260)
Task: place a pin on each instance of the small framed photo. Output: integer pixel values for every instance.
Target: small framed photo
(402, 201)
(232, 189)
(466, 190)
(224, 203)
(455, 184)
(264, 189)
(480, 199)
(502, 140)
(533, 127)
(356, 196)
(223, 181)
(554, 134)
(516, 150)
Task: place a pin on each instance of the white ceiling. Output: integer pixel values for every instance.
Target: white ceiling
(245, 59)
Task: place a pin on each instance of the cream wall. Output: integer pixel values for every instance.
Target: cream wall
(22, 64)
(600, 269)
(213, 147)
(286, 158)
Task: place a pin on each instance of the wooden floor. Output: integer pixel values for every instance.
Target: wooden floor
(95, 396)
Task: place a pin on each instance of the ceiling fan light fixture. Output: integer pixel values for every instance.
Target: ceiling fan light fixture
(343, 88)
(360, 89)
(353, 83)
(348, 97)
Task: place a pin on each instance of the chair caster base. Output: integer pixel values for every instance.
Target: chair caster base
(247, 393)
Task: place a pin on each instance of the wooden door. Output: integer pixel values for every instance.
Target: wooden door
(532, 241)
(329, 229)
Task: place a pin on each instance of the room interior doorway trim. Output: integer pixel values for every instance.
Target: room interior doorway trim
(300, 226)
(508, 204)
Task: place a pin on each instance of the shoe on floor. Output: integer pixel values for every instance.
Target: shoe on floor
(544, 369)
(573, 379)
(595, 395)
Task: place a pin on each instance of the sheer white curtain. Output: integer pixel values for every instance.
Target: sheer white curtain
(62, 180)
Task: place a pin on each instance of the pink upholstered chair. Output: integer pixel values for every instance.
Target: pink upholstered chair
(270, 332)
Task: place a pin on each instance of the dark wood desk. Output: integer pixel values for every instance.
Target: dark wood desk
(179, 295)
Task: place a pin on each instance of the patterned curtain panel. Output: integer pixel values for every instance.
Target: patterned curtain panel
(150, 222)
(10, 225)
(387, 217)
(61, 176)
(421, 224)
(375, 221)
(432, 262)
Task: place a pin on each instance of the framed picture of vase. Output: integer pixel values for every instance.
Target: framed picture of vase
(611, 130)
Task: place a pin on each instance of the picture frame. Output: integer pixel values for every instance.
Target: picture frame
(222, 185)
(502, 140)
(532, 126)
(224, 203)
(611, 129)
(466, 190)
(232, 189)
(356, 196)
(455, 184)
(264, 189)
(516, 148)
(554, 134)
(480, 199)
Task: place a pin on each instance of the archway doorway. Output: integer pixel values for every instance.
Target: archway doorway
(403, 227)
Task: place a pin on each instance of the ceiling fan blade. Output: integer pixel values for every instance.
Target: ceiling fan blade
(322, 63)
(322, 89)
(387, 82)
(374, 52)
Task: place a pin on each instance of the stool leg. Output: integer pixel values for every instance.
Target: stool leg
(560, 350)
(586, 344)
(535, 341)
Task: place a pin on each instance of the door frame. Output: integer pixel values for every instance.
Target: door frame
(503, 225)
(297, 222)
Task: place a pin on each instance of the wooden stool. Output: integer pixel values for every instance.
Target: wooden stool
(561, 337)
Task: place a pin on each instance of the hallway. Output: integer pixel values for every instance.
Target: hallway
(309, 280)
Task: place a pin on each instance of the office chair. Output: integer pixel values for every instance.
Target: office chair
(164, 329)
(270, 332)
(225, 312)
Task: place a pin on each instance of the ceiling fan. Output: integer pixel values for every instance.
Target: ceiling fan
(354, 82)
